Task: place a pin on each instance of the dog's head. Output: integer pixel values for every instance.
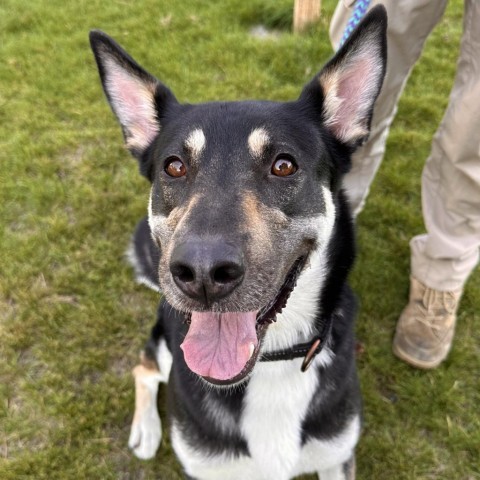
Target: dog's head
(242, 192)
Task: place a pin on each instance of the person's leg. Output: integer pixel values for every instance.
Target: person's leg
(443, 258)
(409, 24)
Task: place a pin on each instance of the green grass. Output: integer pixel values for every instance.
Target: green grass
(71, 318)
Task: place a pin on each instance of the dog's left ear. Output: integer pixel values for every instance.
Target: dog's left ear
(346, 88)
(137, 98)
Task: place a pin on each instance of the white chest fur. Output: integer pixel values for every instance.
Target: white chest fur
(276, 402)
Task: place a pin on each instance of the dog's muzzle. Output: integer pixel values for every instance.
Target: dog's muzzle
(223, 347)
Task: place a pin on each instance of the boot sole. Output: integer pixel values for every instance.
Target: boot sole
(402, 355)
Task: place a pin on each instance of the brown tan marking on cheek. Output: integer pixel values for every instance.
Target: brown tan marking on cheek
(164, 228)
(257, 213)
(175, 224)
(261, 222)
(175, 217)
(253, 219)
(179, 215)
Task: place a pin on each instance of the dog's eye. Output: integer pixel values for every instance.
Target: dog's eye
(283, 166)
(174, 167)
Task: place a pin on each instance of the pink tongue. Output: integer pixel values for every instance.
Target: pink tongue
(218, 345)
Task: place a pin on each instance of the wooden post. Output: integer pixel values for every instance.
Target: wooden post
(305, 12)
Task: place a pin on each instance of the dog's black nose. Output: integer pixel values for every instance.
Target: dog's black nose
(207, 270)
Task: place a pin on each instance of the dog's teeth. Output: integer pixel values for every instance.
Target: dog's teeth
(252, 349)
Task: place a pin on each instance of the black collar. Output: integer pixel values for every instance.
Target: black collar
(309, 350)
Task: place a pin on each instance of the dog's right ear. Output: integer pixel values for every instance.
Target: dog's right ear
(137, 98)
(346, 88)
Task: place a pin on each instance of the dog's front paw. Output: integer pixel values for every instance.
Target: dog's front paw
(146, 430)
(146, 435)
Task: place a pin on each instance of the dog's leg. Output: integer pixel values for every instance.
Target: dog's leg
(146, 430)
(345, 471)
(349, 468)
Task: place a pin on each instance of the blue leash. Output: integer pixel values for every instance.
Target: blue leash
(361, 7)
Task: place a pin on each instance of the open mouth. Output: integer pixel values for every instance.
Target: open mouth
(223, 347)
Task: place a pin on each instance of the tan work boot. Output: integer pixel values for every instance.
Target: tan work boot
(426, 326)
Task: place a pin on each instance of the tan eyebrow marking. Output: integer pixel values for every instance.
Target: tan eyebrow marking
(196, 142)
(258, 140)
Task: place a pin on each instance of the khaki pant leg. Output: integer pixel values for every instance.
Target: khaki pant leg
(409, 24)
(444, 257)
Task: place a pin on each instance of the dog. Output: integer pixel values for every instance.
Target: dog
(250, 239)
